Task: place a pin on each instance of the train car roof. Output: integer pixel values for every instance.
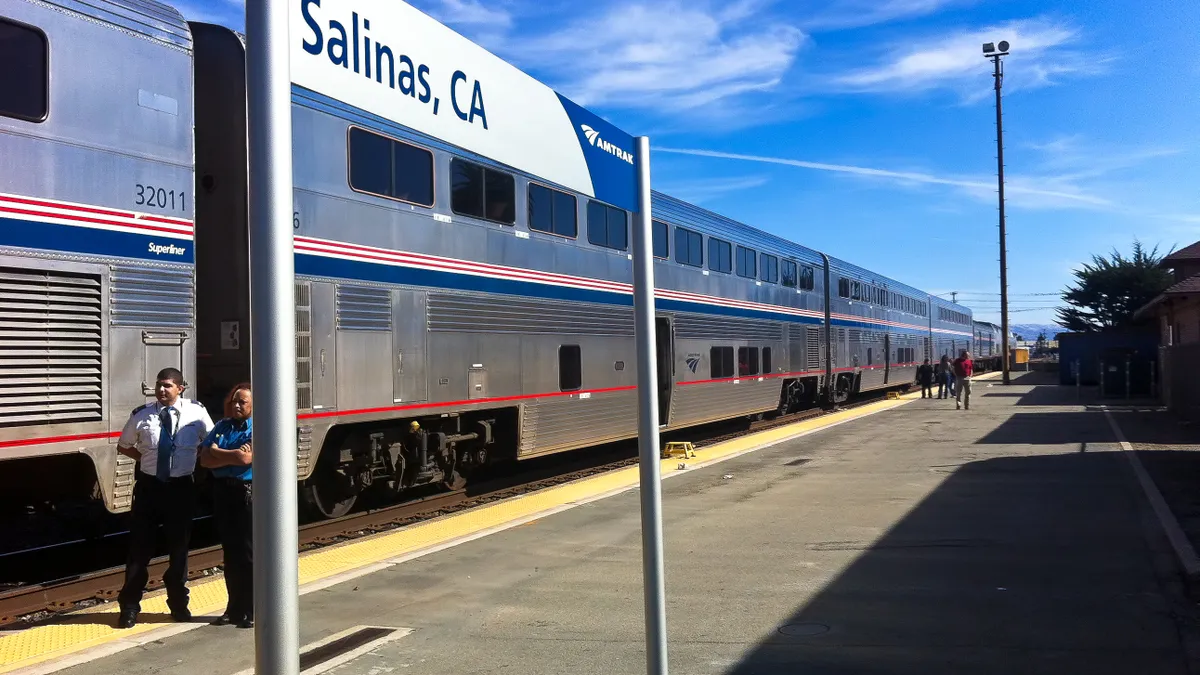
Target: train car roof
(678, 212)
(145, 18)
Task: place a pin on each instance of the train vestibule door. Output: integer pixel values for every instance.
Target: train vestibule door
(664, 354)
(887, 358)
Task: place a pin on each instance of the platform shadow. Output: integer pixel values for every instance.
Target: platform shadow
(107, 618)
(1023, 565)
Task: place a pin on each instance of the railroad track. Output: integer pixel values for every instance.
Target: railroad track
(37, 602)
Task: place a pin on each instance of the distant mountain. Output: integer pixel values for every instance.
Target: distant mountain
(1029, 331)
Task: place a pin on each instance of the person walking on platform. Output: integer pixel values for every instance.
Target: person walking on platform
(962, 370)
(163, 437)
(943, 378)
(228, 452)
(925, 377)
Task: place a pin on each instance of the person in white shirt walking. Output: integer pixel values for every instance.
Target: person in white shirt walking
(163, 437)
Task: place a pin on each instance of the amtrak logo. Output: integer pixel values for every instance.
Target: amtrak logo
(693, 362)
(593, 137)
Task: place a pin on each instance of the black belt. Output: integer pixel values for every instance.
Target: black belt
(230, 480)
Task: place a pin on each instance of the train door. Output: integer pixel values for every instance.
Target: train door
(664, 353)
(887, 358)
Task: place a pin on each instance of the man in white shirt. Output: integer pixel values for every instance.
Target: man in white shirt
(163, 437)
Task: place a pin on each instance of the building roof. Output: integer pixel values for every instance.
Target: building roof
(1188, 253)
(1189, 286)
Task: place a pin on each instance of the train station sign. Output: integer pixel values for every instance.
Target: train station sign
(390, 59)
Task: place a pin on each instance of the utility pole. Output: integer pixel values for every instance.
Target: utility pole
(954, 297)
(994, 52)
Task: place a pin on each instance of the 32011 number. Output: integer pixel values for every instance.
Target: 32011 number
(161, 198)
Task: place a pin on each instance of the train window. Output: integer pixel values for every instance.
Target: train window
(552, 211)
(747, 361)
(870, 356)
(789, 274)
(720, 361)
(766, 361)
(389, 168)
(747, 262)
(855, 290)
(570, 368)
(607, 226)
(843, 287)
(25, 78)
(480, 192)
(661, 231)
(689, 247)
(720, 255)
(807, 278)
(768, 268)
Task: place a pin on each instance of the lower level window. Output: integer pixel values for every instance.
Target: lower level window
(747, 361)
(570, 368)
(721, 361)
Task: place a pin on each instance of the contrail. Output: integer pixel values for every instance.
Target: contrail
(912, 176)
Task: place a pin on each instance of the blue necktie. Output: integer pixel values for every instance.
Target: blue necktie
(166, 445)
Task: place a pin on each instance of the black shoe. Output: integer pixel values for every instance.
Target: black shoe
(222, 620)
(128, 619)
(181, 615)
(246, 623)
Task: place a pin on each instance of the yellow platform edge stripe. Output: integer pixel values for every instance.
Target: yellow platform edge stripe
(95, 626)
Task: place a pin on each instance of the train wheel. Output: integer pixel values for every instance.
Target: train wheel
(329, 493)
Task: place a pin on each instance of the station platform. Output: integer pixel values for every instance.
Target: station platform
(899, 537)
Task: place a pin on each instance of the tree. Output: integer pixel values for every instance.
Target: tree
(1041, 344)
(1108, 290)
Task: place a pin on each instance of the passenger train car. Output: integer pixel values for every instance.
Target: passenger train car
(988, 346)
(436, 285)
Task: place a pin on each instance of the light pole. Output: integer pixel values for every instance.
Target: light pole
(994, 52)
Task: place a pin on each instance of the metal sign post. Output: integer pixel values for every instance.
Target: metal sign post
(648, 446)
(272, 338)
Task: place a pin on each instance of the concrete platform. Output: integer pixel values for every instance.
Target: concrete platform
(1011, 538)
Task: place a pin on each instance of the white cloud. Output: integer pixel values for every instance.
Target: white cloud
(857, 13)
(701, 190)
(1040, 55)
(467, 13)
(665, 56)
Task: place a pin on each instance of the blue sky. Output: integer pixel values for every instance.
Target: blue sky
(866, 128)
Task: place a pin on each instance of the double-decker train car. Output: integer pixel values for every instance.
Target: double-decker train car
(987, 346)
(454, 308)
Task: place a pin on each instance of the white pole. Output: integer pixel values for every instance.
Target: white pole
(648, 449)
(273, 338)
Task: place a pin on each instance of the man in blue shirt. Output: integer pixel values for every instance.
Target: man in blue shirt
(228, 452)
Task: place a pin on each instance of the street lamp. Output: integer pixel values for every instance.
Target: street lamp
(994, 52)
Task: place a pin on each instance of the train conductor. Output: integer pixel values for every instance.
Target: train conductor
(163, 437)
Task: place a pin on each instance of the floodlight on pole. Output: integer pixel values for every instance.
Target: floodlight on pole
(994, 52)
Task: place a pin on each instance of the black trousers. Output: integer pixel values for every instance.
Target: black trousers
(927, 389)
(232, 508)
(170, 505)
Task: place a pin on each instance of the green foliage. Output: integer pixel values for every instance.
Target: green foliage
(1110, 289)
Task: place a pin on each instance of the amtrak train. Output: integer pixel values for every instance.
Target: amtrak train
(437, 282)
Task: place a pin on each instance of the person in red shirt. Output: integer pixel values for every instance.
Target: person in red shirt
(962, 372)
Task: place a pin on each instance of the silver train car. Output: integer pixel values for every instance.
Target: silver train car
(988, 346)
(451, 311)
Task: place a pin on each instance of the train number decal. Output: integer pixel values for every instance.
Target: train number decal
(161, 198)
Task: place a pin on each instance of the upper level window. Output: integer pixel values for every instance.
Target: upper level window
(607, 226)
(389, 168)
(720, 255)
(747, 262)
(807, 281)
(769, 268)
(689, 247)
(660, 231)
(25, 78)
(552, 211)
(478, 191)
(843, 287)
(789, 273)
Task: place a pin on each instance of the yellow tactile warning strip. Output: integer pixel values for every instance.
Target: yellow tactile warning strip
(94, 627)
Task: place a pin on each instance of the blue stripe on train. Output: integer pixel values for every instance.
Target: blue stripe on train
(321, 266)
(90, 241)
